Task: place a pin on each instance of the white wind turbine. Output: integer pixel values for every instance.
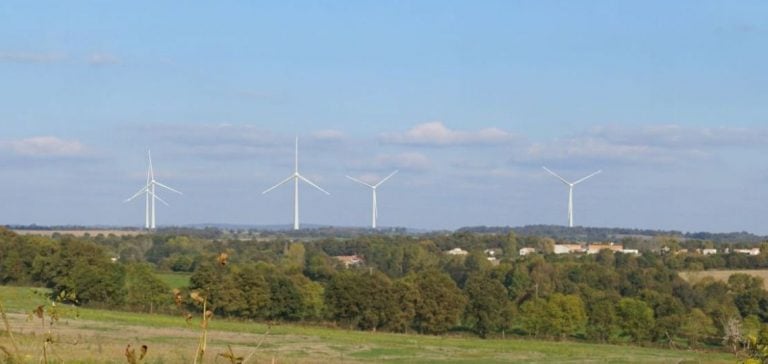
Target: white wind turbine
(570, 191)
(374, 209)
(150, 196)
(296, 177)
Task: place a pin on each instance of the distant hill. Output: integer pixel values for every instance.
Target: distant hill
(590, 234)
(310, 230)
(557, 232)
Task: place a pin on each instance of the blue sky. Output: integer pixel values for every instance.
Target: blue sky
(467, 99)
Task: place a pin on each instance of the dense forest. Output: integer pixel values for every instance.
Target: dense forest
(409, 284)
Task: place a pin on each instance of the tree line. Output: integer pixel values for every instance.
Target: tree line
(408, 284)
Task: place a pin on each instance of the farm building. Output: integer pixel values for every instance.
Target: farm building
(568, 248)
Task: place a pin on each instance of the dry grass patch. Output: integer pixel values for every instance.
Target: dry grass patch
(723, 275)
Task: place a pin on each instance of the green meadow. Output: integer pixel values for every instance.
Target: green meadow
(85, 335)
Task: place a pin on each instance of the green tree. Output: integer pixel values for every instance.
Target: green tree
(405, 297)
(565, 315)
(312, 294)
(360, 299)
(293, 258)
(509, 248)
(83, 268)
(286, 301)
(601, 313)
(487, 299)
(440, 303)
(255, 292)
(144, 291)
(319, 266)
(697, 325)
(533, 316)
(635, 319)
(748, 294)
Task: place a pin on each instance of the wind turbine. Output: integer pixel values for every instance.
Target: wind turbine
(150, 196)
(296, 176)
(374, 210)
(570, 191)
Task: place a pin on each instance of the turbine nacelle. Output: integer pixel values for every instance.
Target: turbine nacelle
(295, 177)
(374, 208)
(149, 191)
(570, 190)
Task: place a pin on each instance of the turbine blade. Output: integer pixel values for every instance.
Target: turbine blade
(151, 172)
(279, 184)
(556, 175)
(137, 194)
(296, 156)
(587, 177)
(158, 198)
(386, 178)
(359, 181)
(166, 187)
(312, 184)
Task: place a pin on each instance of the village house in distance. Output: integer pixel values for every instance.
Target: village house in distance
(594, 248)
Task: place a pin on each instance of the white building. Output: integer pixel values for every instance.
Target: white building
(457, 251)
(753, 251)
(526, 251)
(568, 248)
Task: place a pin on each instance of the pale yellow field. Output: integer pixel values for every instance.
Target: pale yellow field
(722, 275)
(80, 233)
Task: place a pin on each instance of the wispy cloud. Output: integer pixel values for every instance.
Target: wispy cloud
(678, 137)
(437, 134)
(102, 59)
(214, 141)
(44, 147)
(31, 57)
(596, 149)
(406, 161)
(208, 134)
(648, 144)
(329, 135)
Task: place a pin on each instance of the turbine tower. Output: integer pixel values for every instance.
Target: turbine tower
(296, 176)
(374, 209)
(570, 191)
(150, 195)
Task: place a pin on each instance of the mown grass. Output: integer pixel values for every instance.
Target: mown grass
(171, 340)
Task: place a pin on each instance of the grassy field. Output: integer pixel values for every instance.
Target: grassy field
(722, 275)
(100, 336)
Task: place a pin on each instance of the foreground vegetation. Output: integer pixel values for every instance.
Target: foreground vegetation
(100, 336)
(405, 285)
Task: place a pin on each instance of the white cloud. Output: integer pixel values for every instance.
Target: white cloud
(328, 135)
(45, 146)
(31, 57)
(214, 141)
(437, 134)
(102, 59)
(206, 135)
(599, 149)
(665, 144)
(406, 161)
(676, 136)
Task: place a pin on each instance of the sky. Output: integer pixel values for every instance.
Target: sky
(468, 100)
